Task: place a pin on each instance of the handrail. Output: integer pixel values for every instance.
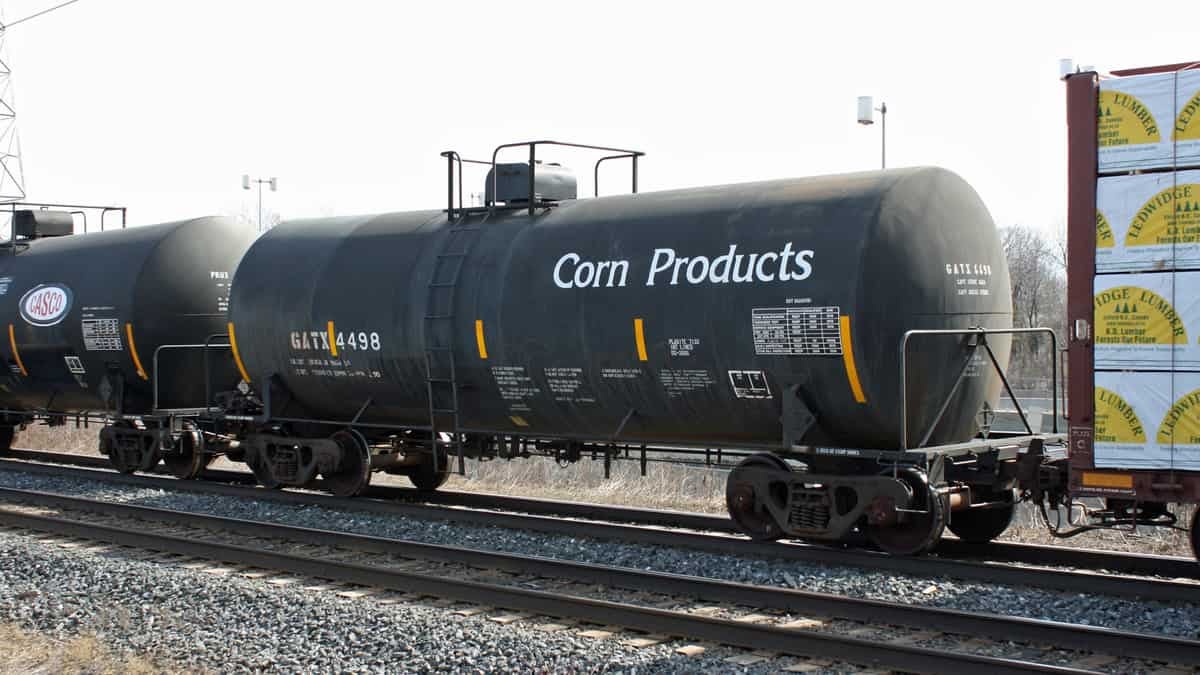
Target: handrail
(104, 211)
(981, 333)
(596, 171)
(453, 158)
(208, 344)
(532, 145)
(80, 209)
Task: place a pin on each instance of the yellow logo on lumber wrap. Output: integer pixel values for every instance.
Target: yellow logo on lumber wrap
(1122, 119)
(1129, 315)
(1104, 235)
(1116, 421)
(1182, 422)
(1187, 125)
(1170, 217)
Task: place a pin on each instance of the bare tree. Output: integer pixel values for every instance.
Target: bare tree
(249, 215)
(1036, 268)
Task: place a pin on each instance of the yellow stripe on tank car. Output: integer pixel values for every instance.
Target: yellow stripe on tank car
(848, 359)
(137, 363)
(237, 358)
(640, 336)
(332, 339)
(12, 340)
(479, 341)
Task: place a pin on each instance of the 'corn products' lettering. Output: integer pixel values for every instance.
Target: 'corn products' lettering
(668, 267)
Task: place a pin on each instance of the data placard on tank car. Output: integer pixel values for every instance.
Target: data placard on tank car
(1147, 420)
(1149, 121)
(1149, 320)
(797, 331)
(1148, 222)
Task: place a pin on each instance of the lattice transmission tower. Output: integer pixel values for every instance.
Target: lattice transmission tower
(12, 172)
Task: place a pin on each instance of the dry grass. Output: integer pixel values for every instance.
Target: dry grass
(60, 439)
(1027, 527)
(664, 487)
(23, 651)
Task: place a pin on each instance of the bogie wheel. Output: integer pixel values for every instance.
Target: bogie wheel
(353, 474)
(8, 435)
(189, 459)
(109, 449)
(979, 526)
(917, 532)
(744, 502)
(425, 478)
(261, 468)
(139, 454)
(1196, 533)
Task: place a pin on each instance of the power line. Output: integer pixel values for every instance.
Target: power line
(35, 15)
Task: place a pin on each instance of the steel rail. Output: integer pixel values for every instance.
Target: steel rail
(1008, 552)
(876, 612)
(603, 612)
(1061, 580)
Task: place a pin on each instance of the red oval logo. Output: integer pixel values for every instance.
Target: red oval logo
(45, 305)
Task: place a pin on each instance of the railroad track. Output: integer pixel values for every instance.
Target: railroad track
(1031, 554)
(828, 627)
(1068, 580)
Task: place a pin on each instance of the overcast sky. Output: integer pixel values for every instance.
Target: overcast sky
(163, 105)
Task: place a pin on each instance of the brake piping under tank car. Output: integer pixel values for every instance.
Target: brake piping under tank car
(763, 316)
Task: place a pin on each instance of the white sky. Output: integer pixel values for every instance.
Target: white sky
(162, 105)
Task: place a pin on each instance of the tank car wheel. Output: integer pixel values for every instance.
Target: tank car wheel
(918, 532)
(8, 435)
(979, 526)
(261, 468)
(130, 460)
(1196, 533)
(743, 502)
(424, 478)
(353, 474)
(190, 459)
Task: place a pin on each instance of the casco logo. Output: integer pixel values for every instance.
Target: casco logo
(46, 305)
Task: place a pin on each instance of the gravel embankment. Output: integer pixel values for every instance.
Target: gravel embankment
(194, 620)
(1181, 619)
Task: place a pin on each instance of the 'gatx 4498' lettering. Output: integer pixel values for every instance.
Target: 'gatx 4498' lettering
(325, 341)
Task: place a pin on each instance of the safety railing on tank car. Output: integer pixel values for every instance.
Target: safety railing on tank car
(80, 210)
(981, 341)
(208, 346)
(453, 159)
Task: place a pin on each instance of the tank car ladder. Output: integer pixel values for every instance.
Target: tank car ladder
(440, 369)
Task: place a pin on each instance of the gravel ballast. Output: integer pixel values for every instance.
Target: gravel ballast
(226, 623)
(1179, 619)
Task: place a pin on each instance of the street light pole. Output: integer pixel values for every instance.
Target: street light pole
(866, 117)
(883, 136)
(273, 182)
